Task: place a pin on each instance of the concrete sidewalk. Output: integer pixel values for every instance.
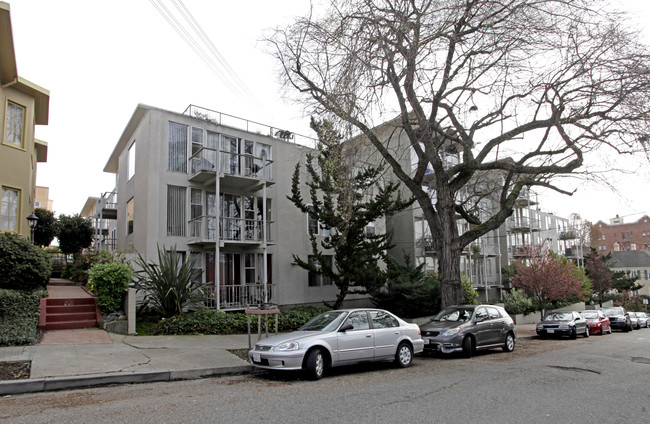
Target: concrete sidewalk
(68, 359)
(71, 359)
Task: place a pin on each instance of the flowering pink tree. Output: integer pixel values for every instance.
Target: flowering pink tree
(599, 273)
(546, 277)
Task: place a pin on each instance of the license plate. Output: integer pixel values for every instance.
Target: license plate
(256, 357)
(550, 330)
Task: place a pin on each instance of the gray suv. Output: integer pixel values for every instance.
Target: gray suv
(467, 328)
(619, 319)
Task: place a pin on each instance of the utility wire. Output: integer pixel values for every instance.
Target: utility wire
(222, 69)
(212, 48)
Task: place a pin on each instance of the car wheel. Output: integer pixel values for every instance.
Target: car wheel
(574, 333)
(601, 331)
(468, 347)
(314, 367)
(628, 328)
(509, 343)
(610, 330)
(404, 355)
(586, 331)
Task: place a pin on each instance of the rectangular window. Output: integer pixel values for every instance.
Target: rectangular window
(197, 139)
(314, 226)
(196, 203)
(129, 216)
(131, 160)
(315, 279)
(177, 148)
(14, 124)
(176, 211)
(9, 207)
(603, 237)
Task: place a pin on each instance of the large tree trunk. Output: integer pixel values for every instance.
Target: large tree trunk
(449, 251)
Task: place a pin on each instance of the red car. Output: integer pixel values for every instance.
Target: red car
(598, 322)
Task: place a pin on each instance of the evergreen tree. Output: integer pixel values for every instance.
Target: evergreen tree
(345, 199)
(46, 228)
(75, 233)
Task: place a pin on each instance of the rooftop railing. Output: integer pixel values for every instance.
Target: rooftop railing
(219, 118)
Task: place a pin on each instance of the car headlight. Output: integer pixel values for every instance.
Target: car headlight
(287, 347)
(451, 332)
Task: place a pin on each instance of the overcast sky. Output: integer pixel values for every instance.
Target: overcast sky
(100, 59)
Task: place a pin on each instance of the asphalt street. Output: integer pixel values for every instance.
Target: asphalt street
(602, 379)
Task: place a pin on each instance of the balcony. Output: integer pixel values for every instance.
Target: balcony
(239, 171)
(238, 296)
(231, 231)
(522, 224)
(108, 205)
(519, 251)
(568, 235)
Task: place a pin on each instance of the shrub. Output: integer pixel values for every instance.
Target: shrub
(517, 302)
(19, 312)
(23, 266)
(471, 295)
(109, 282)
(170, 285)
(214, 322)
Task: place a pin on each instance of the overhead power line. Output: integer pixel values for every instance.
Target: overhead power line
(192, 33)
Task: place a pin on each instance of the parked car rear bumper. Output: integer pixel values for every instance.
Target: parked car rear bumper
(555, 331)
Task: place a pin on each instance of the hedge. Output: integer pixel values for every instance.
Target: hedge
(214, 322)
(19, 312)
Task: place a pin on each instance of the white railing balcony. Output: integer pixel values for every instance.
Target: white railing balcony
(238, 296)
(204, 160)
(230, 229)
(245, 165)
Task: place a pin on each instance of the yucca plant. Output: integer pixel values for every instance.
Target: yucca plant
(169, 285)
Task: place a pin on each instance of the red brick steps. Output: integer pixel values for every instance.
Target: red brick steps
(68, 313)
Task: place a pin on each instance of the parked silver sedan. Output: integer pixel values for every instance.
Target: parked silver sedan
(340, 337)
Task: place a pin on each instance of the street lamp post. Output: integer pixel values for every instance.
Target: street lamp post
(33, 221)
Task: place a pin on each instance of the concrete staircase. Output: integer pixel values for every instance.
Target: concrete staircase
(68, 307)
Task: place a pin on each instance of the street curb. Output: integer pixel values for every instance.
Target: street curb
(96, 380)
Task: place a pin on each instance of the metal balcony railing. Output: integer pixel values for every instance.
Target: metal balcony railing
(238, 164)
(230, 229)
(239, 296)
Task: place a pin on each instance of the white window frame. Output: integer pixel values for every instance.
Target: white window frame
(9, 221)
(131, 161)
(14, 132)
(176, 210)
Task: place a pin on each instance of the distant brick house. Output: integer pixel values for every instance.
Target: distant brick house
(618, 236)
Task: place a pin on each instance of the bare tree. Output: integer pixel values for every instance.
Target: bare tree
(523, 88)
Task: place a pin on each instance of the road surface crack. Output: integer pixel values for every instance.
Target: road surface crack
(574, 369)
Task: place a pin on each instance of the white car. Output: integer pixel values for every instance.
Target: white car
(340, 337)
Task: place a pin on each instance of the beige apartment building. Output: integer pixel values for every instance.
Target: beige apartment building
(23, 105)
(214, 186)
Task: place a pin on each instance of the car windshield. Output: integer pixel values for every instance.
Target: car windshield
(454, 314)
(589, 314)
(613, 311)
(559, 316)
(327, 321)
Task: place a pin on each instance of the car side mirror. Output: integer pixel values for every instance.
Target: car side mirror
(479, 319)
(346, 327)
